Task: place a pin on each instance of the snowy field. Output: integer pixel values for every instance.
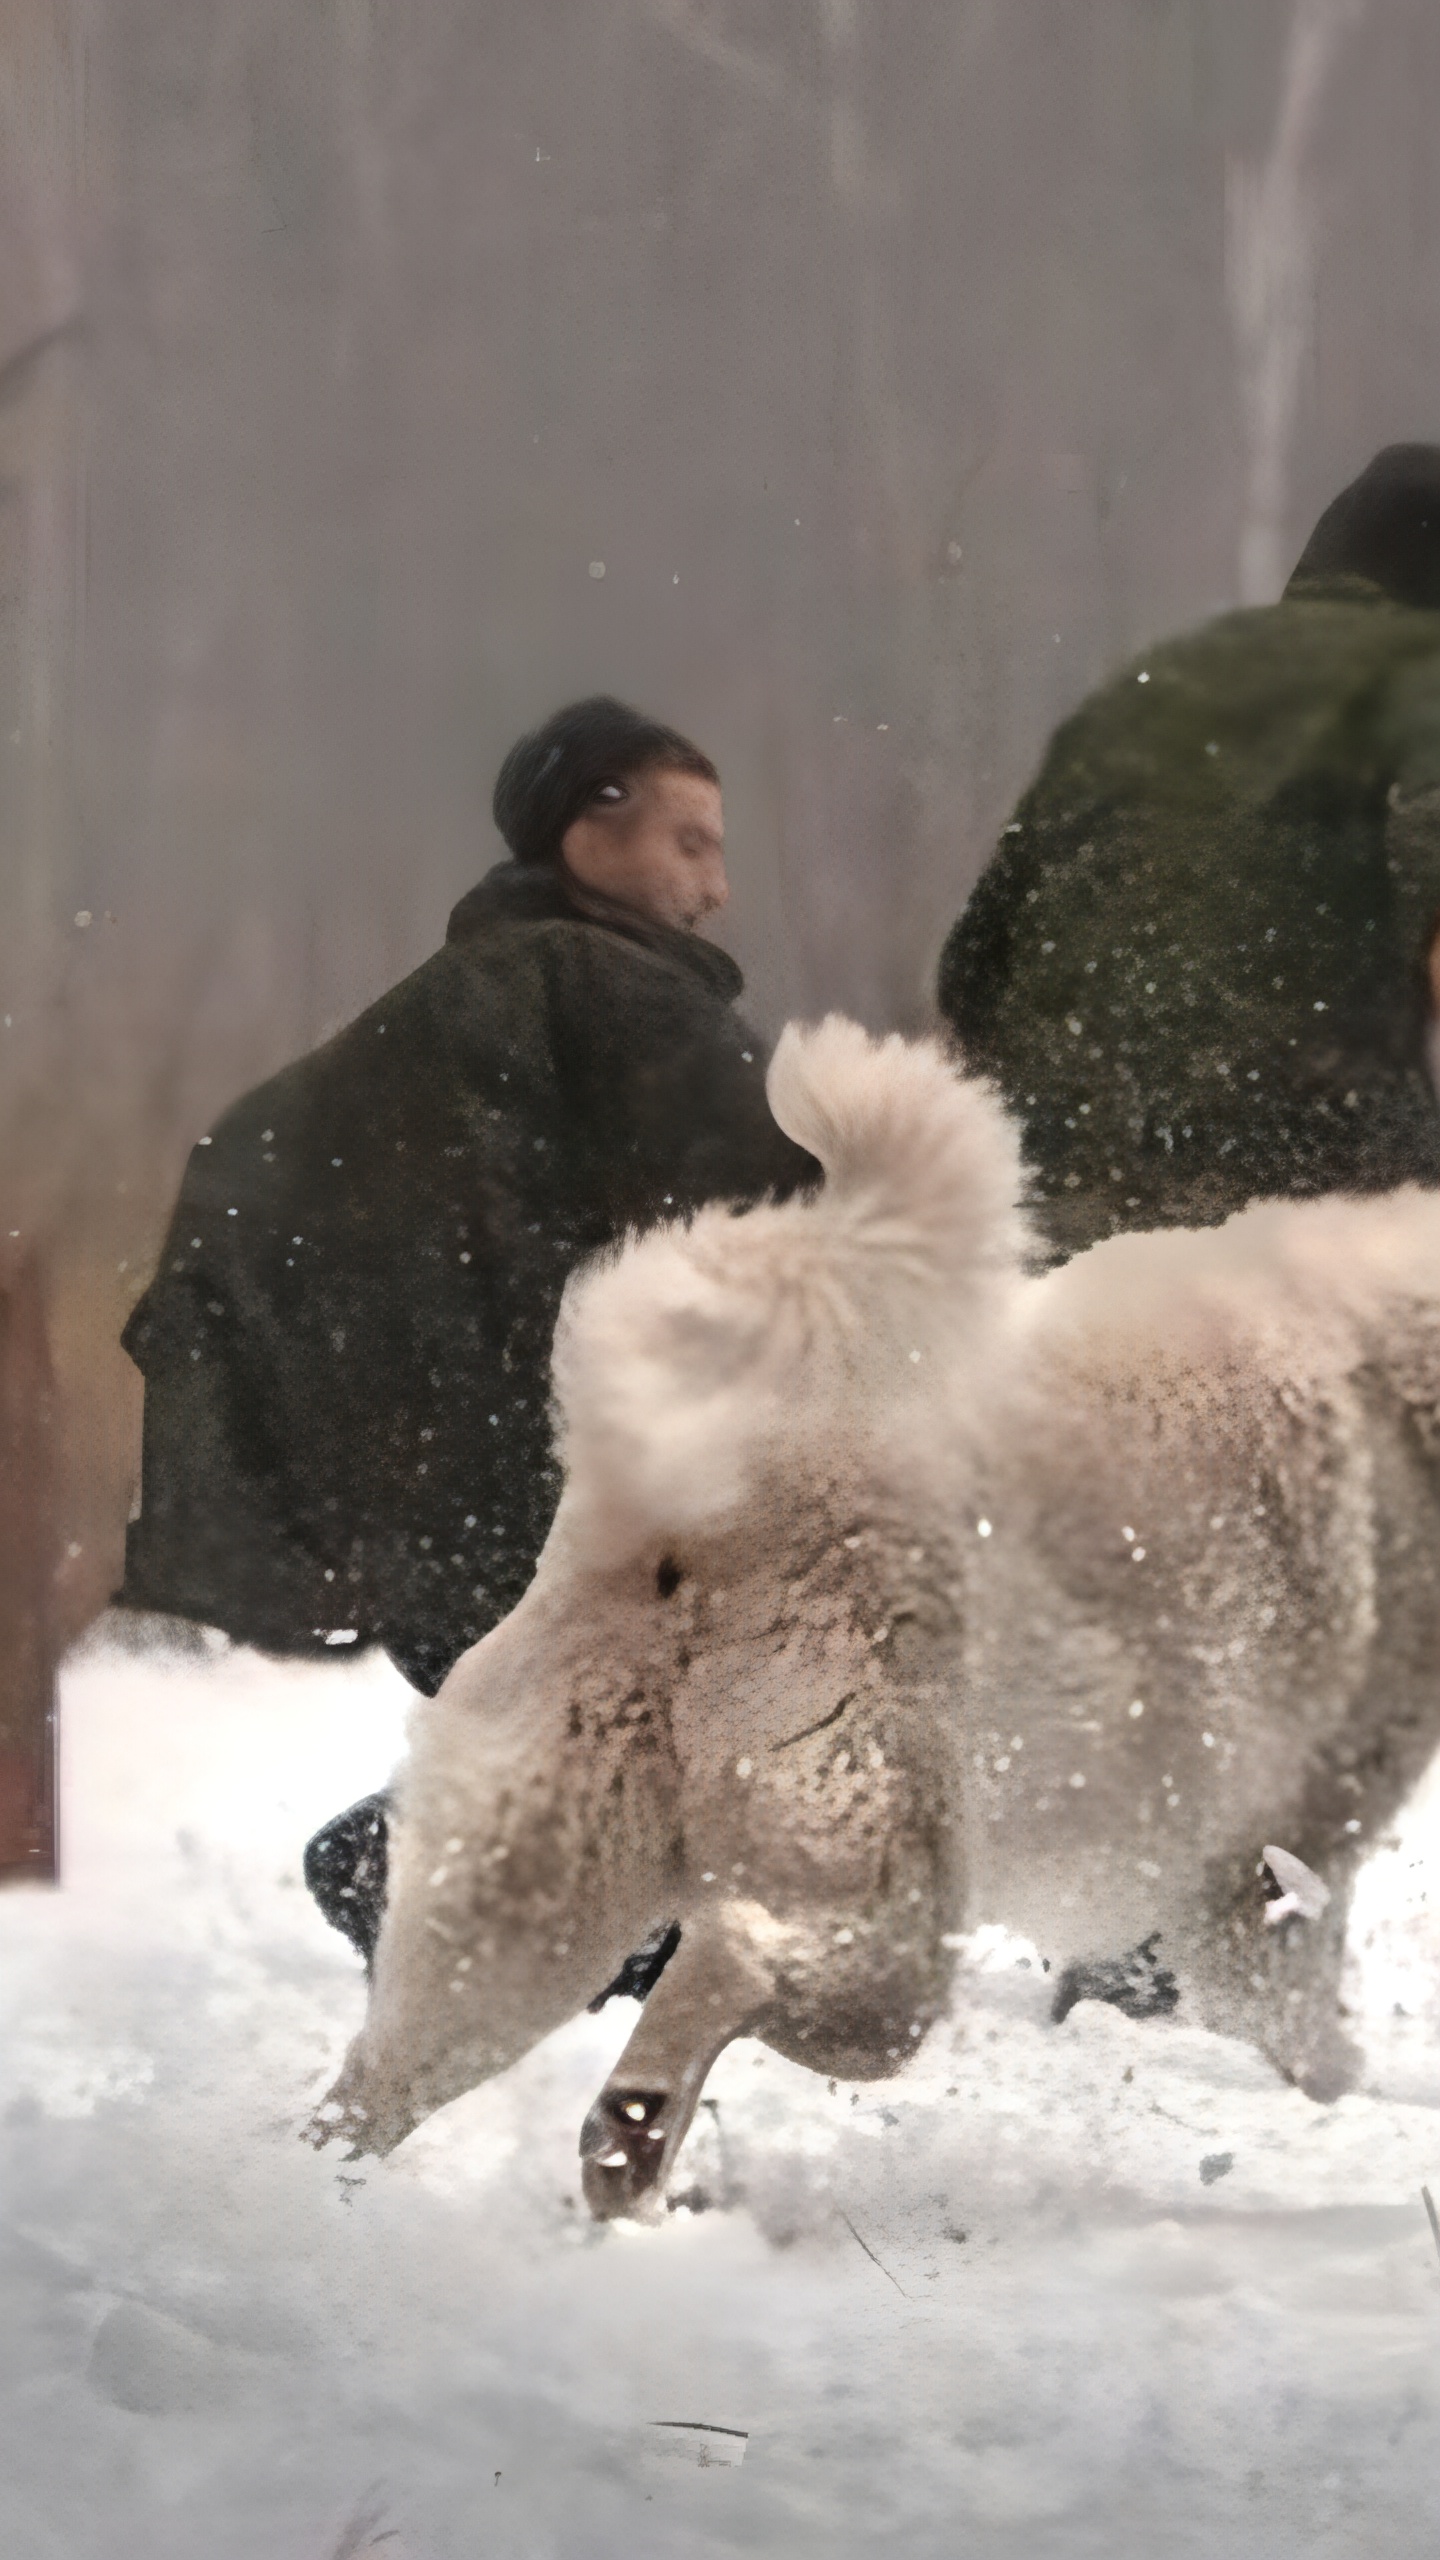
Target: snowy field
(1103, 2289)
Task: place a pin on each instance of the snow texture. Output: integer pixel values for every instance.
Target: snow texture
(1106, 2288)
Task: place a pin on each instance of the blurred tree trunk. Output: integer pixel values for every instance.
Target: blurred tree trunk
(40, 479)
(41, 554)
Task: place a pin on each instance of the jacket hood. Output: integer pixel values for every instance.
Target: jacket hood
(1384, 528)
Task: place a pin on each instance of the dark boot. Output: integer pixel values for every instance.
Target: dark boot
(639, 1973)
(346, 1868)
(1138, 1985)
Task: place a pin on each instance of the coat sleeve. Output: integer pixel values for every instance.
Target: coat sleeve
(667, 1082)
(1410, 742)
(212, 1541)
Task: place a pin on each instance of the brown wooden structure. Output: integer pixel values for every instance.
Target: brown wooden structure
(28, 1828)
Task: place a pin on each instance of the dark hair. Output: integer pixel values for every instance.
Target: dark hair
(554, 773)
(1385, 527)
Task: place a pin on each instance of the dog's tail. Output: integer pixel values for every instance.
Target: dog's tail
(681, 1364)
(922, 1166)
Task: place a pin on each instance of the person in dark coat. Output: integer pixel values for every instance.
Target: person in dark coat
(346, 1347)
(1198, 963)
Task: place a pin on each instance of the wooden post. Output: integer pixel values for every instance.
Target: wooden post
(41, 161)
(27, 1649)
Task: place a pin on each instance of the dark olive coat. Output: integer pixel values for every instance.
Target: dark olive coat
(1196, 963)
(346, 1347)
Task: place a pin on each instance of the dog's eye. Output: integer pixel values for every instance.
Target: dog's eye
(668, 1577)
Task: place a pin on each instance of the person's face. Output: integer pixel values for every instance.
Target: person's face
(653, 842)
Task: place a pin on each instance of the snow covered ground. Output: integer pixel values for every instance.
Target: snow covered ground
(1105, 2289)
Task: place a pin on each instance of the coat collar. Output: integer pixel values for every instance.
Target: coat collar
(536, 893)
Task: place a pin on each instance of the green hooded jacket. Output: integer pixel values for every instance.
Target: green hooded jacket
(1196, 963)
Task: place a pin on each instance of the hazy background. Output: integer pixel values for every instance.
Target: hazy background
(906, 363)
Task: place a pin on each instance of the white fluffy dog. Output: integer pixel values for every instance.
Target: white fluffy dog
(894, 1590)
